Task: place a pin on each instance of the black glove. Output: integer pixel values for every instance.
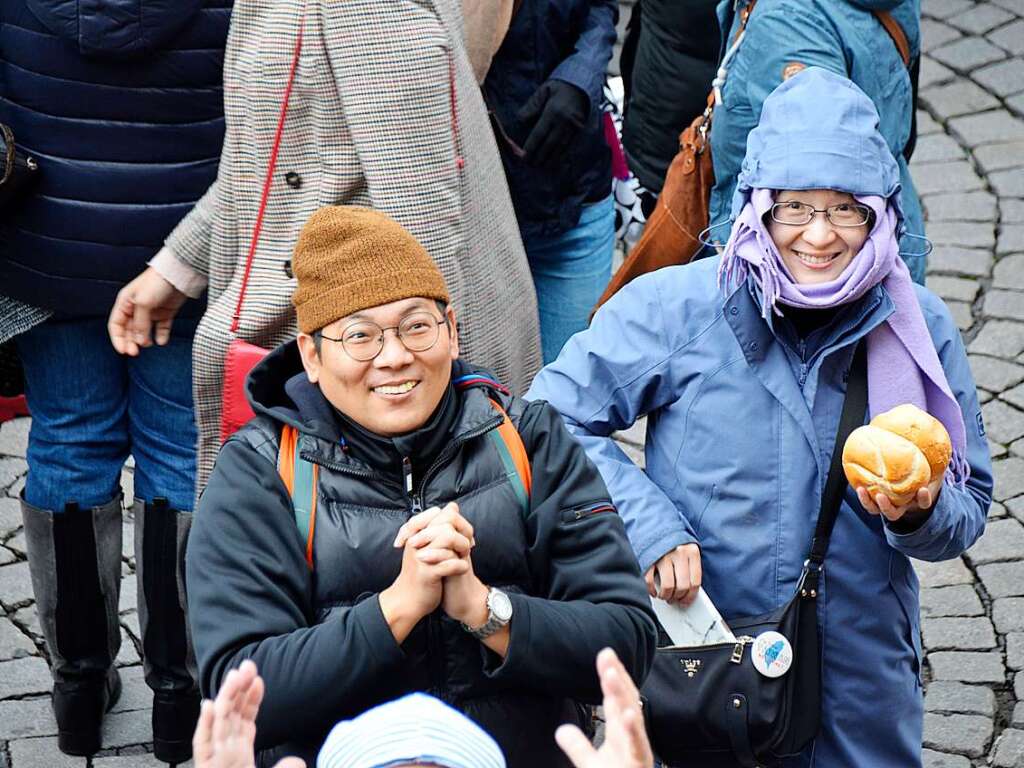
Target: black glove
(560, 111)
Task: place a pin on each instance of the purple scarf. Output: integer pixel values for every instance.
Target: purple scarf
(903, 366)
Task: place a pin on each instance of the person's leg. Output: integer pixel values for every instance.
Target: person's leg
(163, 434)
(71, 504)
(570, 273)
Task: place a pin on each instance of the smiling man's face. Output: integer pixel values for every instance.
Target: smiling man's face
(398, 390)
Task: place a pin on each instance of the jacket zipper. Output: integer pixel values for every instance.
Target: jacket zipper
(450, 451)
(334, 466)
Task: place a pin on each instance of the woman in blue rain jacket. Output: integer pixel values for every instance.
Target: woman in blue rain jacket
(843, 36)
(742, 382)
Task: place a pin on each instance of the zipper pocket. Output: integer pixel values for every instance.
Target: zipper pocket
(737, 647)
(575, 514)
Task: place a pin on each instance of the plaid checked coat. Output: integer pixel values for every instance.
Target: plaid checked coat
(385, 111)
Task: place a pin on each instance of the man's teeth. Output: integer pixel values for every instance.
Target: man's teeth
(815, 259)
(398, 389)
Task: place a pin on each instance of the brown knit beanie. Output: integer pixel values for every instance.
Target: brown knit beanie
(350, 258)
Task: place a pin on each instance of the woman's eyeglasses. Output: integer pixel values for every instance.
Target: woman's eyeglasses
(842, 215)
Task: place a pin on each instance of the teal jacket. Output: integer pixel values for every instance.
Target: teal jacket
(839, 35)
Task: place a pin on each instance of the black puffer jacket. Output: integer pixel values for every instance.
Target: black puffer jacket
(320, 639)
(669, 76)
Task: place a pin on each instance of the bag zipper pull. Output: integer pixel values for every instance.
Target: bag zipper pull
(737, 651)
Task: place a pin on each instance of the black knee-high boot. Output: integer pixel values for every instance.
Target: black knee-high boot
(74, 557)
(160, 536)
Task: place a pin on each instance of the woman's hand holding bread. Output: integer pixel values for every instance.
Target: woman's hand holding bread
(897, 462)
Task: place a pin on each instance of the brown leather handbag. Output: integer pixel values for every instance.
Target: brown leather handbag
(672, 233)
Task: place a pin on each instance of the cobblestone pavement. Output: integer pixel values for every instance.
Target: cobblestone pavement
(969, 169)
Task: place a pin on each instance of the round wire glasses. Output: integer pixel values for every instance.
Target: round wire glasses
(364, 339)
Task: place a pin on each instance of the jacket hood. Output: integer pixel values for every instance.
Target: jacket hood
(818, 130)
(114, 28)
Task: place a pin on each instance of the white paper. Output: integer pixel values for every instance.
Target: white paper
(699, 623)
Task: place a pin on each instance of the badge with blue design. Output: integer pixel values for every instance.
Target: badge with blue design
(772, 654)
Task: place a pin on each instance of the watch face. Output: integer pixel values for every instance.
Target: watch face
(500, 606)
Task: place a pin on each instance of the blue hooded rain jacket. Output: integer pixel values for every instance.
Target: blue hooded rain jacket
(842, 36)
(741, 422)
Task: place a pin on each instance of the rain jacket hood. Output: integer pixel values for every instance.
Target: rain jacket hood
(115, 28)
(818, 130)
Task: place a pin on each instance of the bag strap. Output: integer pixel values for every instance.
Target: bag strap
(852, 417)
(300, 477)
(258, 227)
(513, 455)
(895, 31)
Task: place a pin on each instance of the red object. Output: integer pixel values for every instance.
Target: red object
(12, 408)
(242, 356)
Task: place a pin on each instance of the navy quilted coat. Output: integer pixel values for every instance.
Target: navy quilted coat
(121, 103)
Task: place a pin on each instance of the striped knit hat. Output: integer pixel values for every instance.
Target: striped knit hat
(416, 729)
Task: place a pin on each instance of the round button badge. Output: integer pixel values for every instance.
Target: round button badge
(772, 654)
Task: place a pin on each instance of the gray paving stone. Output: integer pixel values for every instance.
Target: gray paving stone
(958, 634)
(121, 729)
(1009, 749)
(1004, 424)
(967, 734)
(1009, 479)
(932, 73)
(926, 123)
(958, 600)
(41, 753)
(954, 288)
(954, 176)
(1017, 449)
(130, 621)
(999, 157)
(993, 373)
(1004, 304)
(958, 698)
(7, 557)
(935, 34)
(14, 644)
(1018, 686)
(945, 573)
(960, 97)
(135, 694)
(10, 517)
(1009, 273)
(943, 9)
(1009, 38)
(972, 206)
(1002, 579)
(995, 127)
(967, 234)
(1011, 238)
(1002, 540)
(27, 619)
(17, 544)
(967, 53)
(14, 437)
(967, 666)
(999, 338)
(128, 654)
(129, 761)
(15, 585)
(11, 468)
(960, 261)
(984, 396)
(932, 759)
(15, 490)
(1015, 7)
(961, 313)
(1008, 183)
(982, 18)
(997, 451)
(1017, 720)
(1015, 650)
(1016, 507)
(25, 718)
(24, 676)
(129, 585)
(1004, 78)
(1008, 614)
(128, 486)
(1016, 104)
(1011, 209)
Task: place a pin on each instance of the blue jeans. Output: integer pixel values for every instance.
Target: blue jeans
(570, 272)
(91, 407)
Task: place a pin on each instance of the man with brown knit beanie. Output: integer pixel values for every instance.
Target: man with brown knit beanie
(393, 520)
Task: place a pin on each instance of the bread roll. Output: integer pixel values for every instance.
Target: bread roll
(923, 430)
(884, 462)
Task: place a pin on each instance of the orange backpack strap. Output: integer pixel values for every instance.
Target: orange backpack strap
(300, 477)
(896, 33)
(513, 455)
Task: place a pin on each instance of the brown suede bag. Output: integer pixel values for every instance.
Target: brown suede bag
(672, 233)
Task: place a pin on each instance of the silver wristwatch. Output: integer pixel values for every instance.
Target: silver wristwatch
(499, 614)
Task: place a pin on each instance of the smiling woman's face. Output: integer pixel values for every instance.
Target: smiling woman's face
(819, 251)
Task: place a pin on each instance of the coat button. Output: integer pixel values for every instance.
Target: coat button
(734, 311)
(753, 347)
(293, 180)
(288, 268)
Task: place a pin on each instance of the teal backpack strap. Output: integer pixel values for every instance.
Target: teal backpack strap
(300, 478)
(513, 455)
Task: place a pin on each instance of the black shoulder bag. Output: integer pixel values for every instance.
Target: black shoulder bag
(708, 706)
(17, 170)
